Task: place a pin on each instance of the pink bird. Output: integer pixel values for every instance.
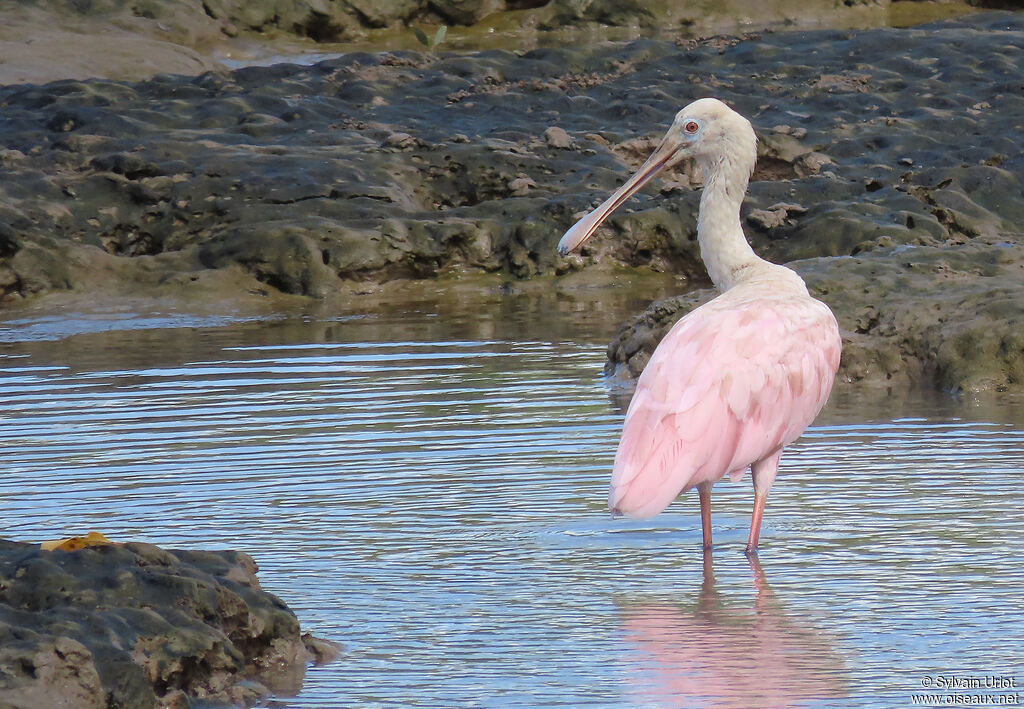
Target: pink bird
(737, 379)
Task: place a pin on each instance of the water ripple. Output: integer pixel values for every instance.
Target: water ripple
(439, 508)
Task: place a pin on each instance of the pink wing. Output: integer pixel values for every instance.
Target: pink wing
(732, 383)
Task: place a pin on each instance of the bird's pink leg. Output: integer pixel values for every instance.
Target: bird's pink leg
(755, 520)
(763, 472)
(704, 492)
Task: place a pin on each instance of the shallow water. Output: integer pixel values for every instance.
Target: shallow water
(428, 489)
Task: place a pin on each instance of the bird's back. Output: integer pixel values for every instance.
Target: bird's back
(733, 382)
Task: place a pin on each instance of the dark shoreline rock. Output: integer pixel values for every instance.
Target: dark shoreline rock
(134, 625)
(374, 167)
(911, 317)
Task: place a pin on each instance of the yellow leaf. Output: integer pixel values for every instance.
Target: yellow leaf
(92, 539)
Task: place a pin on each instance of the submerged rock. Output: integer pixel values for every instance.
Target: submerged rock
(137, 626)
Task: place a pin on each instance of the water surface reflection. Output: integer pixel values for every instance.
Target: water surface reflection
(719, 653)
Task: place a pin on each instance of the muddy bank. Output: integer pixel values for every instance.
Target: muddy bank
(373, 167)
(137, 626)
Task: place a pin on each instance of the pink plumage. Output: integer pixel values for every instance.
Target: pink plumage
(737, 379)
(731, 384)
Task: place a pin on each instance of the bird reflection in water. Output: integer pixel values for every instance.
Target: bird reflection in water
(727, 657)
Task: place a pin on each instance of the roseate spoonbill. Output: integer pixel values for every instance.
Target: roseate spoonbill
(737, 379)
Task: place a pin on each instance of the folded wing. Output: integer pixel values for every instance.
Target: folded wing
(732, 382)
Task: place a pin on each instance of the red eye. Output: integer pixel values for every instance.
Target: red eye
(691, 127)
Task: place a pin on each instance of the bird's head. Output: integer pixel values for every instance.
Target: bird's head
(706, 130)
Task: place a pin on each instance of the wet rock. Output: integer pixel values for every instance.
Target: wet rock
(381, 13)
(933, 316)
(62, 671)
(557, 138)
(283, 255)
(521, 186)
(134, 625)
(810, 163)
(775, 216)
(467, 12)
(399, 140)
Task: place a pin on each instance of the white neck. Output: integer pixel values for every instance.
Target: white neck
(723, 247)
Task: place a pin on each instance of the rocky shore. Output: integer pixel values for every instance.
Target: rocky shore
(133, 625)
(891, 180)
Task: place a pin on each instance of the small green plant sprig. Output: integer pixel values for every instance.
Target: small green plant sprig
(431, 42)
